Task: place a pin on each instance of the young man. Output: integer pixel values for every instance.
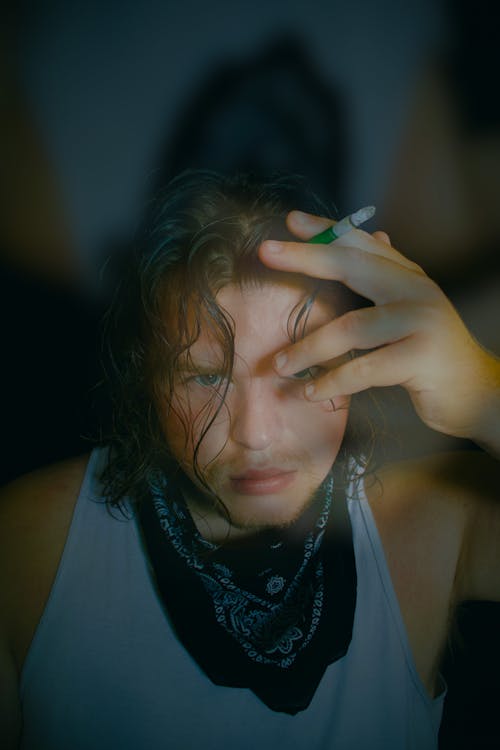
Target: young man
(254, 590)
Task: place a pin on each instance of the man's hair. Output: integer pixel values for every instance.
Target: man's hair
(201, 233)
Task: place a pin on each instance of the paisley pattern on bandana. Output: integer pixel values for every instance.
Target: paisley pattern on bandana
(272, 614)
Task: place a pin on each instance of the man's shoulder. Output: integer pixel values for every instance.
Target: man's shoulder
(425, 508)
(36, 511)
(422, 506)
(42, 495)
(35, 516)
(451, 480)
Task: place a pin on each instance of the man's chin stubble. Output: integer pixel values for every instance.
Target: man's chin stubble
(211, 508)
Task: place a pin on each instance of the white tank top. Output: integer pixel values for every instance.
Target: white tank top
(105, 669)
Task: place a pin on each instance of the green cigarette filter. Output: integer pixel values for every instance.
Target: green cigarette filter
(343, 226)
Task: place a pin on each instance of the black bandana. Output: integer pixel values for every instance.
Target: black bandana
(268, 612)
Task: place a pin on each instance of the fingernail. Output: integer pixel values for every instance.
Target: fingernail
(310, 390)
(273, 247)
(280, 360)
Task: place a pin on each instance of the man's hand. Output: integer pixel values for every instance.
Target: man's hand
(415, 336)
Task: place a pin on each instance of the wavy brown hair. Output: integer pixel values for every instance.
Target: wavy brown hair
(201, 233)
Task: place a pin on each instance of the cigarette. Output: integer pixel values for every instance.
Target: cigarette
(343, 226)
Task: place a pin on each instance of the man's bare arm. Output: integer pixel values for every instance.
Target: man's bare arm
(10, 710)
(35, 514)
(479, 573)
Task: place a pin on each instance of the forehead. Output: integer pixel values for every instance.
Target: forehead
(263, 317)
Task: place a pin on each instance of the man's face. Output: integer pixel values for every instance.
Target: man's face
(269, 448)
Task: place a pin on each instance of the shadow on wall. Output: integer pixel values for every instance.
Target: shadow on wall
(49, 322)
(273, 112)
(442, 202)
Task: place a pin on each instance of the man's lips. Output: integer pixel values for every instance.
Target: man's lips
(262, 481)
(271, 471)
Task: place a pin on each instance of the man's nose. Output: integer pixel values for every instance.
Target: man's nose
(255, 420)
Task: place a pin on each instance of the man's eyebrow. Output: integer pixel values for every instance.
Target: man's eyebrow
(188, 364)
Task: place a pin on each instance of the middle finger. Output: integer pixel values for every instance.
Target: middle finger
(365, 328)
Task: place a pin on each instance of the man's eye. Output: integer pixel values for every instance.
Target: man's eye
(209, 380)
(308, 374)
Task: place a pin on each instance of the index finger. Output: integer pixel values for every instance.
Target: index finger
(377, 277)
(305, 226)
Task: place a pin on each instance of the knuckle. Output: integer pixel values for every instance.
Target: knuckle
(430, 288)
(350, 323)
(436, 318)
(416, 268)
(361, 368)
(304, 347)
(339, 263)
